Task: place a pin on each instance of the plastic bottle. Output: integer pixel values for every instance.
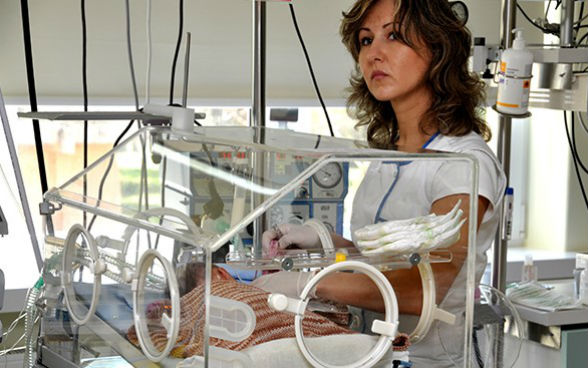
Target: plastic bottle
(515, 77)
(529, 270)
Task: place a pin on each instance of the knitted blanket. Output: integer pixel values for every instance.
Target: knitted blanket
(270, 324)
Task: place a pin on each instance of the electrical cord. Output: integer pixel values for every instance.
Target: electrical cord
(110, 162)
(582, 123)
(547, 9)
(173, 71)
(85, 93)
(544, 30)
(574, 156)
(582, 165)
(316, 88)
(26, 31)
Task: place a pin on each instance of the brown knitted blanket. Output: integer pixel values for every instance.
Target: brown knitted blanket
(270, 324)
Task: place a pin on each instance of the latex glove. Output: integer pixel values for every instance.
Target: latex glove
(289, 283)
(412, 235)
(304, 237)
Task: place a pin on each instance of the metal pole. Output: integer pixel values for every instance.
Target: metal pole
(186, 70)
(258, 111)
(499, 262)
(566, 31)
(258, 73)
(20, 184)
(504, 135)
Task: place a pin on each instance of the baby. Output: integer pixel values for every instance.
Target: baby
(270, 324)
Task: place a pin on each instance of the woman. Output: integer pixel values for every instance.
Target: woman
(412, 90)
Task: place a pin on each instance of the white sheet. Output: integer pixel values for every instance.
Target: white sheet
(336, 349)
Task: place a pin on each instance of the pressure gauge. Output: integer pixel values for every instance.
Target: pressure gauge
(460, 10)
(329, 176)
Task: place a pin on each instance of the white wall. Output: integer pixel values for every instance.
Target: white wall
(220, 56)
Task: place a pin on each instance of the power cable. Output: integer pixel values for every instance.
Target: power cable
(582, 123)
(316, 88)
(547, 9)
(85, 93)
(26, 30)
(110, 162)
(574, 156)
(179, 42)
(582, 165)
(544, 30)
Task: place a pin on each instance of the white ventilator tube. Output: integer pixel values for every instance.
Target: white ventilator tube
(171, 324)
(97, 267)
(387, 328)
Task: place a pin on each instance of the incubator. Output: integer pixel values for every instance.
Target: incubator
(136, 272)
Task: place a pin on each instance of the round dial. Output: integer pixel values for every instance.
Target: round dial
(460, 10)
(329, 176)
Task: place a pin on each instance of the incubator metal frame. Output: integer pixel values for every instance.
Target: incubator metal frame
(195, 238)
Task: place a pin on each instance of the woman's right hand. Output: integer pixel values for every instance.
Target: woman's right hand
(286, 235)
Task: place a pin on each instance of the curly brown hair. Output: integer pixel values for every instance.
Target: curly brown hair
(457, 93)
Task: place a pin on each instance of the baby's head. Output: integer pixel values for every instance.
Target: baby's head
(192, 274)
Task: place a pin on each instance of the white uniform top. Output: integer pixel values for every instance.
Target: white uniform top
(394, 191)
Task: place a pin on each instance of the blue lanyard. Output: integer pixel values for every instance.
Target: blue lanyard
(378, 218)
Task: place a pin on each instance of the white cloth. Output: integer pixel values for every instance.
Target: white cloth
(416, 186)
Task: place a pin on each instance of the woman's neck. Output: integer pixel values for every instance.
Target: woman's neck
(409, 113)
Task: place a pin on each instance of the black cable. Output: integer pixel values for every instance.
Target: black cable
(85, 92)
(173, 72)
(575, 161)
(476, 344)
(547, 9)
(318, 142)
(316, 88)
(26, 30)
(579, 20)
(531, 21)
(584, 36)
(575, 148)
(103, 180)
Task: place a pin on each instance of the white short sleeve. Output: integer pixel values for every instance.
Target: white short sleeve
(455, 178)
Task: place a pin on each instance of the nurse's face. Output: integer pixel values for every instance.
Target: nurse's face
(392, 70)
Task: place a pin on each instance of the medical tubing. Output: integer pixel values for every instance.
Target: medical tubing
(179, 42)
(316, 88)
(322, 232)
(130, 55)
(30, 316)
(149, 55)
(574, 159)
(387, 329)
(103, 180)
(85, 94)
(162, 195)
